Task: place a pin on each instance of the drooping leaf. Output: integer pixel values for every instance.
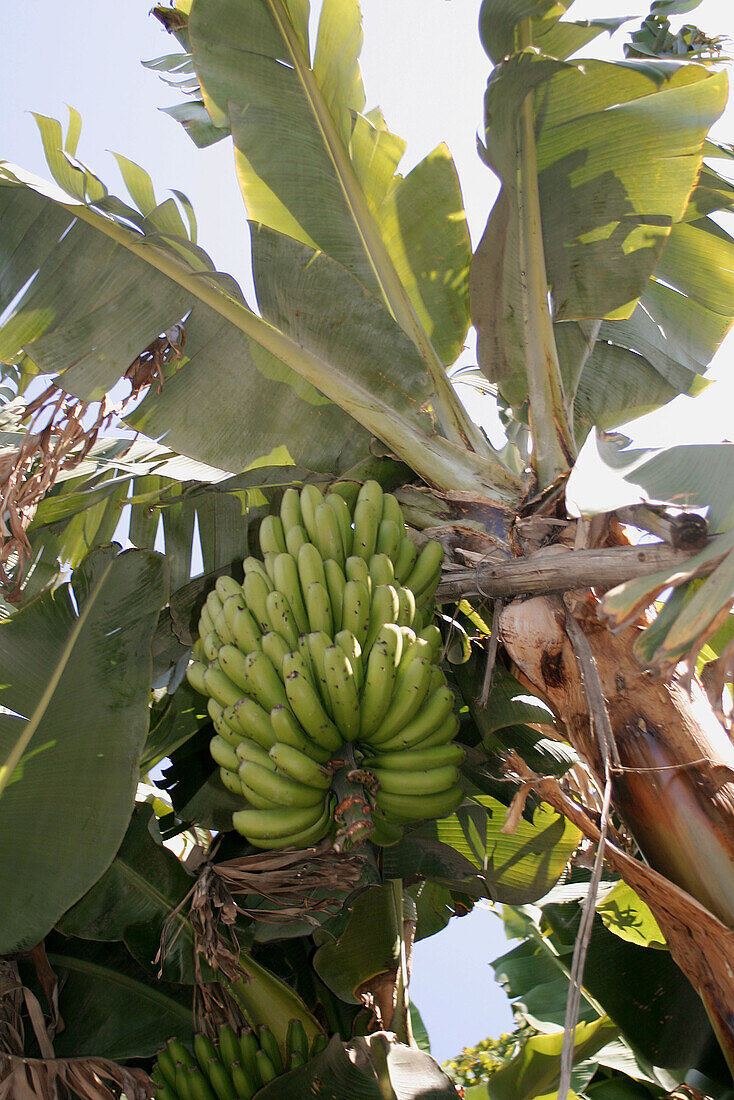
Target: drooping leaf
(369, 945)
(77, 671)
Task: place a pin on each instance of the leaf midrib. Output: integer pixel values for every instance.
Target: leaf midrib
(114, 977)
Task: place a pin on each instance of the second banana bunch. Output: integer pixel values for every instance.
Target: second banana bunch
(329, 640)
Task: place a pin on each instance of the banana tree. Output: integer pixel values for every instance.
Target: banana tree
(599, 291)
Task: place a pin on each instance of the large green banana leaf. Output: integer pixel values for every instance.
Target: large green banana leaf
(76, 677)
(91, 284)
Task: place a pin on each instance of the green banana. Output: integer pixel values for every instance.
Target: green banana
(392, 512)
(296, 1041)
(231, 781)
(269, 560)
(411, 688)
(290, 510)
(432, 635)
(266, 1071)
(386, 832)
(275, 647)
(356, 611)
(223, 754)
(379, 679)
(226, 587)
(381, 570)
(371, 492)
(340, 508)
(307, 707)
(270, 1046)
(431, 717)
(183, 1089)
(298, 766)
(287, 581)
(335, 584)
(220, 687)
(351, 647)
(319, 1043)
(245, 630)
(254, 799)
(405, 559)
(265, 685)
(318, 608)
(221, 626)
(254, 565)
(167, 1066)
(310, 566)
(296, 1059)
(406, 608)
(438, 679)
(295, 538)
(236, 665)
(271, 535)
(195, 676)
(230, 606)
(232, 737)
(257, 589)
(197, 651)
(272, 824)
(318, 643)
(445, 733)
(304, 838)
(366, 523)
(384, 608)
(212, 645)
(165, 1092)
(357, 569)
(426, 781)
(348, 489)
(311, 499)
(229, 1047)
(342, 692)
(205, 622)
(180, 1053)
(200, 1087)
(244, 1085)
(220, 1080)
(248, 1040)
(389, 535)
(285, 792)
(288, 732)
(329, 535)
(213, 605)
(251, 720)
(253, 753)
(420, 759)
(426, 569)
(281, 618)
(409, 807)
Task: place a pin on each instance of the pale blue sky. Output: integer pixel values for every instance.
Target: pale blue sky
(423, 65)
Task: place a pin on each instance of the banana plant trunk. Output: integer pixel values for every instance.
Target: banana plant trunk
(674, 786)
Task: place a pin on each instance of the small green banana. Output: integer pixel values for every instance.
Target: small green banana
(405, 559)
(384, 608)
(298, 766)
(342, 692)
(426, 781)
(269, 1045)
(311, 499)
(272, 824)
(226, 587)
(223, 754)
(366, 523)
(220, 687)
(288, 732)
(426, 570)
(356, 611)
(256, 590)
(340, 508)
(335, 584)
(281, 618)
(287, 581)
(271, 535)
(329, 536)
(286, 792)
(318, 608)
(295, 538)
(251, 720)
(290, 510)
(407, 807)
(411, 688)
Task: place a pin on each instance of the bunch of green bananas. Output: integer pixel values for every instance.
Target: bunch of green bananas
(329, 640)
(234, 1068)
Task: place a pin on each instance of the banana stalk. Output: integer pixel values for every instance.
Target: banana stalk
(266, 1000)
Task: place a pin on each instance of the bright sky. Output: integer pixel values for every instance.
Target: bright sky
(423, 64)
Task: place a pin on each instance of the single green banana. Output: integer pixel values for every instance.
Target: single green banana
(167, 1066)
(195, 676)
(256, 592)
(335, 584)
(180, 1053)
(426, 781)
(269, 1044)
(254, 799)
(288, 732)
(275, 647)
(381, 570)
(443, 734)
(320, 1042)
(420, 759)
(371, 492)
(405, 559)
(348, 489)
(221, 626)
(406, 601)
(426, 569)
(432, 635)
(407, 807)
(307, 707)
(249, 1045)
(226, 587)
(287, 581)
(272, 824)
(420, 649)
(318, 608)
(245, 629)
(356, 611)
(357, 569)
(438, 679)
(183, 1089)
(366, 523)
(310, 566)
(229, 1047)
(251, 720)
(298, 766)
(386, 833)
(411, 688)
(220, 1080)
(311, 499)
(340, 508)
(220, 687)
(266, 1071)
(236, 665)
(342, 692)
(389, 535)
(266, 686)
(213, 605)
(269, 563)
(205, 622)
(223, 754)
(253, 753)
(230, 606)
(353, 650)
(281, 617)
(197, 651)
(290, 510)
(304, 838)
(296, 1059)
(231, 781)
(286, 792)
(271, 535)
(212, 645)
(244, 1085)
(254, 565)
(199, 1085)
(232, 737)
(318, 643)
(296, 1041)
(384, 608)
(431, 717)
(165, 1092)
(379, 679)
(295, 538)
(329, 535)
(392, 512)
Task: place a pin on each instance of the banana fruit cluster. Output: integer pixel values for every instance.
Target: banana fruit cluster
(234, 1068)
(329, 640)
